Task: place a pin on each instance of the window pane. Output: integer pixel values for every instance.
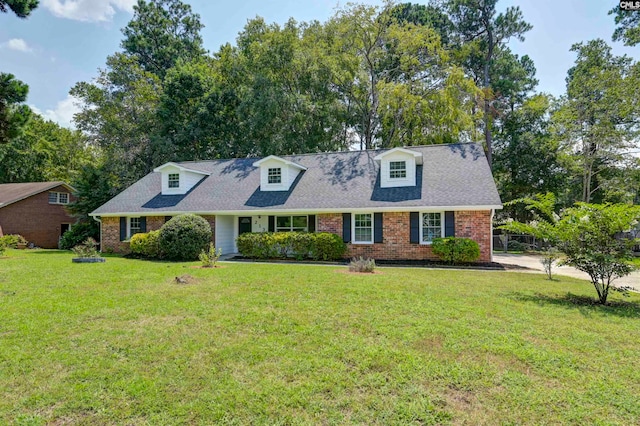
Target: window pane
(431, 226)
(63, 198)
(300, 221)
(283, 222)
(363, 235)
(397, 169)
(363, 220)
(174, 180)
(53, 197)
(274, 175)
(363, 229)
(134, 226)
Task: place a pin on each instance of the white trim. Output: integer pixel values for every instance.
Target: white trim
(353, 229)
(282, 160)
(442, 219)
(179, 167)
(305, 211)
(493, 212)
(58, 194)
(416, 155)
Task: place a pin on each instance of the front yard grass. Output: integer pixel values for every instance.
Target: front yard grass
(121, 343)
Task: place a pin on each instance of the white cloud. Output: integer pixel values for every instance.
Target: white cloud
(63, 113)
(17, 44)
(88, 10)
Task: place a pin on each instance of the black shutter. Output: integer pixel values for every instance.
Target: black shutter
(414, 226)
(377, 227)
(272, 224)
(311, 223)
(143, 224)
(346, 227)
(449, 224)
(123, 228)
(167, 219)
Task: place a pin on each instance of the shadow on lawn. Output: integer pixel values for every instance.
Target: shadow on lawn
(585, 304)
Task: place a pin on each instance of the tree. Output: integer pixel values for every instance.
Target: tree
(482, 35)
(592, 238)
(597, 119)
(628, 26)
(161, 33)
(13, 113)
(22, 8)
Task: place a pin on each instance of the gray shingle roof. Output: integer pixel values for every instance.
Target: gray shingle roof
(455, 175)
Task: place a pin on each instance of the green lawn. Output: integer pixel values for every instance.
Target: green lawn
(120, 343)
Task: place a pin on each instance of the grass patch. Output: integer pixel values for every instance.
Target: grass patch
(121, 343)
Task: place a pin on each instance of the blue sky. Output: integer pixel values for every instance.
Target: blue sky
(66, 41)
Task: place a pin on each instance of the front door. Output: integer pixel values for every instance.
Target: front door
(244, 225)
(64, 227)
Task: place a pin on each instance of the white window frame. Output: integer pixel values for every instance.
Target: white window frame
(277, 170)
(170, 181)
(353, 228)
(391, 171)
(58, 194)
(422, 241)
(129, 235)
(291, 228)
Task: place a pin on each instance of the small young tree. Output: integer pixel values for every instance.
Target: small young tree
(592, 238)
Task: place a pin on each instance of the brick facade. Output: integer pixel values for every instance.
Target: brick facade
(37, 220)
(110, 232)
(396, 243)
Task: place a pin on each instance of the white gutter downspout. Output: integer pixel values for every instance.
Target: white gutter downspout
(493, 212)
(97, 219)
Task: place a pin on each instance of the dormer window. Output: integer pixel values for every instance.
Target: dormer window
(275, 175)
(397, 170)
(174, 180)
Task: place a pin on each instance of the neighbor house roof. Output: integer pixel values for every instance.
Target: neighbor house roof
(452, 176)
(13, 192)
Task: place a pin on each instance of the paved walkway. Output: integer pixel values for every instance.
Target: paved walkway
(533, 263)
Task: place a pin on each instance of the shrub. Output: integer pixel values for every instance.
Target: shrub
(184, 237)
(301, 245)
(210, 257)
(362, 265)
(549, 258)
(78, 233)
(87, 248)
(456, 250)
(12, 240)
(328, 246)
(146, 244)
(3, 247)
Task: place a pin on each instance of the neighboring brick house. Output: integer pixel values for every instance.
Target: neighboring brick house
(36, 210)
(386, 204)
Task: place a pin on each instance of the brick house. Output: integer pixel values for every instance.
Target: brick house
(386, 204)
(36, 210)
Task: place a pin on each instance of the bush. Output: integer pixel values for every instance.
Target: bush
(78, 233)
(184, 237)
(12, 240)
(87, 249)
(210, 257)
(301, 245)
(3, 247)
(362, 265)
(146, 244)
(456, 250)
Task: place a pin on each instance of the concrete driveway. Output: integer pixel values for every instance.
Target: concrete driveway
(533, 263)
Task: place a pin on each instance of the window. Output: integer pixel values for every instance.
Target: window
(431, 227)
(274, 175)
(397, 170)
(292, 223)
(174, 180)
(363, 228)
(58, 198)
(134, 226)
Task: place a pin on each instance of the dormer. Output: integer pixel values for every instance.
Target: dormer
(177, 179)
(277, 174)
(398, 167)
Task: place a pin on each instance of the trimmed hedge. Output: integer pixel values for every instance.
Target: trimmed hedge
(146, 244)
(184, 237)
(456, 250)
(300, 245)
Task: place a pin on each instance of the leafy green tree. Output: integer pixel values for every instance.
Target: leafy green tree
(13, 113)
(482, 35)
(22, 8)
(597, 119)
(628, 26)
(592, 239)
(161, 33)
